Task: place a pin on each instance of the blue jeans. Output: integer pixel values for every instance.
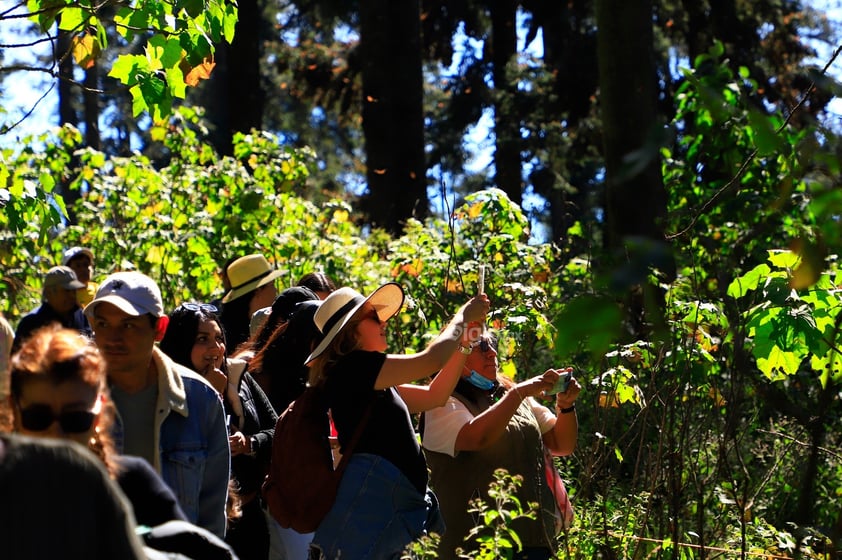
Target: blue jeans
(377, 513)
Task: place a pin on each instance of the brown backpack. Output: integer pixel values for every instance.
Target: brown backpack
(301, 485)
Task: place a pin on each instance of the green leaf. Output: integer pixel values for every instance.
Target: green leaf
(779, 361)
(766, 139)
(230, 21)
(194, 8)
(785, 260)
(126, 68)
(749, 281)
(72, 18)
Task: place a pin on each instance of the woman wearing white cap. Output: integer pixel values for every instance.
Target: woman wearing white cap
(383, 502)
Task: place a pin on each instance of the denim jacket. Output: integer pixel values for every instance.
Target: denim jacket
(191, 439)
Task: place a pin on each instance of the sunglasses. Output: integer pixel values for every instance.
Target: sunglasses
(483, 345)
(39, 417)
(206, 307)
(373, 316)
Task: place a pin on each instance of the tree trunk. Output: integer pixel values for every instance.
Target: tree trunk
(90, 97)
(392, 112)
(570, 54)
(506, 120)
(66, 104)
(244, 56)
(636, 199)
(234, 98)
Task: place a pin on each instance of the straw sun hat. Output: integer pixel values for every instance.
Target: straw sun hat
(249, 273)
(335, 311)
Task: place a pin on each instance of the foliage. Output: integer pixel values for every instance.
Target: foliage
(791, 326)
(179, 42)
(715, 429)
(495, 536)
(179, 222)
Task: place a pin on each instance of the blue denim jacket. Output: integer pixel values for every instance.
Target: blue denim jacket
(192, 442)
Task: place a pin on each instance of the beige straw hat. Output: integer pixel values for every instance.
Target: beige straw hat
(249, 273)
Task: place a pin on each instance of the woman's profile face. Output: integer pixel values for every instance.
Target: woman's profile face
(208, 346)
(68, 410)
(483, 359)
(371, 332)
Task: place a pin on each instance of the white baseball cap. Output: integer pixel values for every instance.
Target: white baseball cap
(131, 292)
(75, 251)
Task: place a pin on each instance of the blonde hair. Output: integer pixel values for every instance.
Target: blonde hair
(61, 355)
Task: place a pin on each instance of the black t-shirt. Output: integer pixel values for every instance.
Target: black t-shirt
(388, 432)
(152, 500)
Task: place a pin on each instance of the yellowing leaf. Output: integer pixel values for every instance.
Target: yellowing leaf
(454, 287)
(717, 397)
(340, 216)
(155, 254)
(85, 50)
(200, 72)
(474, 210)
(413, 268)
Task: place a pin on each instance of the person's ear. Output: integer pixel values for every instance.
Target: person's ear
(161, 327)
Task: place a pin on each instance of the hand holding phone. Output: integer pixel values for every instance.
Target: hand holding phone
(562, 383)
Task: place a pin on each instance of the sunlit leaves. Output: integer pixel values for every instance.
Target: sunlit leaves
(787, 326)
(180, 39)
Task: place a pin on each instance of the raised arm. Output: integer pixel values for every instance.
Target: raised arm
(405, 368)
(419, 398)
(486, 428)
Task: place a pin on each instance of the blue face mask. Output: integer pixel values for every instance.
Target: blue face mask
(479, 381)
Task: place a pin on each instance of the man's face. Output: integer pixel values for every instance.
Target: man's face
(60, 299)
(125, 340)
(82, 266)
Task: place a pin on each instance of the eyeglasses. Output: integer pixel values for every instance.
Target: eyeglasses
(483, 345)
(39, 417)
(206, 307)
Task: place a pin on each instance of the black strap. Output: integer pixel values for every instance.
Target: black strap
(250, 280)
(340, 313)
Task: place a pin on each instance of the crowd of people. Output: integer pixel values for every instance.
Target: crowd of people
(175, 413)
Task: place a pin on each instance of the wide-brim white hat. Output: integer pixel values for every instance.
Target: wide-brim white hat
(338, 308)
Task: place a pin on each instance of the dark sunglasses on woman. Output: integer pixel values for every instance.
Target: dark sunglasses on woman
(39, 417)
(206, 307)
(483, 345)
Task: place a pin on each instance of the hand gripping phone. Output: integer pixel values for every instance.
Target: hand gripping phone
(562, 383)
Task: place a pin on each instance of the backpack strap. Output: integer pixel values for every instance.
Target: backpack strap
(357, 434)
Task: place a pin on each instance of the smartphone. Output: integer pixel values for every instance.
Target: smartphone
(562, 383)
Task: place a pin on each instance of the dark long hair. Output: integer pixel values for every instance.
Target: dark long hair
(181, 332)
(280, 363)
(319, 282)
(235, 319)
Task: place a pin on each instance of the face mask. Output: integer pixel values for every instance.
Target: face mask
(479, 381)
